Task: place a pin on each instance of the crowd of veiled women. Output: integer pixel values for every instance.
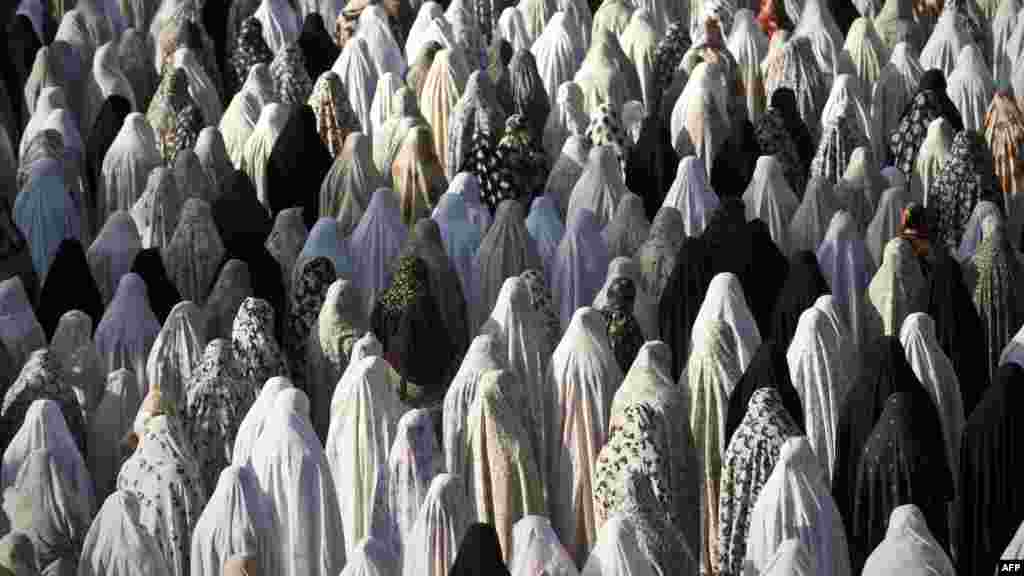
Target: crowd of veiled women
(643, 287)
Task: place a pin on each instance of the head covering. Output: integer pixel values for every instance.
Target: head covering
(335, 119)
(162, 466)
(157, 211)
(479, 553)
(486, 353)
(536, 549)
(175, 355)
(700, 118)
(998, 271)
(934, 152)
(440, 525)
(298, 151)
(930, 103)
(191, 178)
(255, 160)
(294, 86)
(250, 49)
(725, 301)
(566, 171)
(565, 120)
(160, 292)
(233, 286)
(629, 229)
(921, 478)
(308, 290)
(109, 120)
(128, 330)
(414, 460)
(417, 176)
(558, 53)
(356, 69)
(965, 179)
(1004, 134)
(600, 186)
(195, 252)
(326, 240)
(345, 192)
(795, 503)
(580, 265)
(117, 544)
(318, 48)
(280, 22)
(692, 196)
(909, 546)
(442, 88)
(843, 259)
(583, 375)
(770, 199)
(602, 76)
(306, 529)
(506, 250)
(804, 284)
(253, 343)
(894, 90)
(657, 256)
(286, 240)
(375, 243)
(887, 221)
(461, 237)
(257, 416)
(971, 87)
(361, 434)
(796, 69)
(783, 134)
(69, 272)
(46, 215)
(897, 290)
(234, 524)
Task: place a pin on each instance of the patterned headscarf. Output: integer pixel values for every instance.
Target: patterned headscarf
(251, 49)
(835, 148)
(290, 76)
(309, 290)
(252, 338)
(188, 123)
(965, 180)
(624, 332)
(482, 162)
(335, 119)
(606, 129)
(930, 102)
(543, 303)
(669, 54)
(409, 283)
(522, 169)
(998, 294)
(776, 137)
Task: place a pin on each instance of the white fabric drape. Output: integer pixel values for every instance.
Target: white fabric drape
(536, 550)
(692, 196)
(600, 187)
(886, 223)
(770, 199)
(908, 547)
(970, 86)
(20, 331)
(725, 301)
(117, 543)
(281, 23)
(945, 44)
(748, 44)
(177, 351)
(252, 424)
(846, 266)
(935, 150)
(580, 265)
(126, 166)
(895, 88)
(260, 144)
(235, 523)
(700, 121)
(127, 331)
(442, 522)
(113, 251)
(413, 462)
(384, 50)
(557, 55)
(356, 68)
(108, 425)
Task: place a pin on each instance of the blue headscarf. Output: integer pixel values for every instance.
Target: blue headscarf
(325, 240)
(461, 237)
(546, 229)
(46, 215)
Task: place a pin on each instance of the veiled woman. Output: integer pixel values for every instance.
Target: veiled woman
(582, 377)
(256, 350)
(234, 525)
(558, 52)
(426, 243)
(250, 49)
(700, 118)
(996, 270)
(782, 133)
(259, 146)
(417, 176)
(243, 112)
(405, 116)
(305, 532)
(176, 354)
(232, 287)
(657, 255)
(440, 526)
(377, 240)
(602, 76)
(506, 250)
(1004, 132)
(297, 165)
(356, 69)
(847, 267)
(194, 252)
(966, 179)
(335, 120)
(796, 69)
(442, 88)
(895, 88)
(567, 119)
(68, 286)
(164, 475)
(971, 87)
(45, 214)
(929, 103)
(845, 126)
(487, 352)
(72, 341)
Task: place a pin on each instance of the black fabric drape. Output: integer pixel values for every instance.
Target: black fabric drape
(479, 553)
(162, 294)
(297, 166)
(104, 130)
(241, 220)
(991, 455)
(958, 326)
(767, 369)
(681, 300)
(215, 21)
(652, 164)
(69, 286)
(903, 462)
(733, 167)
(804, 284)
(22, 45)
(884, 372)
(318, 49)
(15, 258)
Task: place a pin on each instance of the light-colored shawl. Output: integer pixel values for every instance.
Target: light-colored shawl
(118, 544)
(817, 25)
(375, 243)
(244, 111)
(970, 86)
(700, 118)
(749, 46)
(358, 73)
(418, 33)
(20, 331)
(442, 89)
(602, 76)
(191, 178)
(846, 266)
(176, 353)
(935, 372)
(213, 157)
(629, 229)
(618, 551)
(460, 236)
(712, 371)
(417, 176)
(505, 479)
(414, 461)
(108, 79)
(273, 118)
(692, 196)
(935, 150)
(868, 54)
(383, 49)
(898, 289)
(886, 223)
(383, 107)
(371, 557)
(73, 345)
(443, 519)
(330, 349)
(360, 436)
(108, 425)
(327, 240)
(893, 90)
(816, 367)
(1003, 63)
(565, 120)
(943, 48)
(306, 532)
(770, 199)
(512, 28)
(908, 547)
(535, 549)
(600, 186)
(796, 68)
(44, 428)
(281, 23)
(345, 193)
(612, 16)
(506, 250)
(557, 55)
(235, 522)
(582, 378)
(725, 301)
(200, 87)
(164, 476)
(810, 222)
(252, 424)
(477, 114)
(845, 102)
(546, 229)
(46, 214)
(486, 352)
(640, 42)
(128, 330)
(796, 503)
(195, 252)
(580, 265)
(567, 170)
